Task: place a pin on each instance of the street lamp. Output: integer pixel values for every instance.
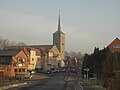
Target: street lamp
(87, 70)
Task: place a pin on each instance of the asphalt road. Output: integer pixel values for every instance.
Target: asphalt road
(57, 81)
(54, 82)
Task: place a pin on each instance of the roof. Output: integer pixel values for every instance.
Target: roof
(42, 46)
(41, 49)
(112, 45)
(44, 49)
(33, 47)
(9, 52)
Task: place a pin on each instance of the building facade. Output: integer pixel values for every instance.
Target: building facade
(12, 63)
(50, 57)
(34, 57)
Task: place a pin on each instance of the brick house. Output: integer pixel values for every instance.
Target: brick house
(12, 63)
(32, 53)
(114, 46)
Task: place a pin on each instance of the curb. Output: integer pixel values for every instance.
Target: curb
(12, 86)
(78, 86)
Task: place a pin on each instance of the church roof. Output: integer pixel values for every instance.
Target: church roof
(41, 46)
(59, 26)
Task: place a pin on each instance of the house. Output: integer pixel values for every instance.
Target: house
(12, 63)
(114, 46)
(34, 57)
(50, 56)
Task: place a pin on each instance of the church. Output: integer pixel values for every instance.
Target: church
(55, 53)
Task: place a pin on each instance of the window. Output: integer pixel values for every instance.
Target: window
(19, 70)
(15, 70)
(38, 58)
(19, 59)
(117, 46)
(56, 43)
(23, 69)
(8, 69)
(32, 59)
(5, 61)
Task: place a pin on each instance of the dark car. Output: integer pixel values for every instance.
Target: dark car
(48, 71)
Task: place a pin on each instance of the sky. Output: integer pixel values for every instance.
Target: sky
(86, 23)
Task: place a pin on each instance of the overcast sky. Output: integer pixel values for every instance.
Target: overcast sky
(86, 23)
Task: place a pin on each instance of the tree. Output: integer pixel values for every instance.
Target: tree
(5, 43)
(107, 72)
(20, 44)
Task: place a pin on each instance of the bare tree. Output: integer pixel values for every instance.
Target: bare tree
(5, 43)
(75, 54)
(20, 44)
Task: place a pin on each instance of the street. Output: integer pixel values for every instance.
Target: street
(56, 81)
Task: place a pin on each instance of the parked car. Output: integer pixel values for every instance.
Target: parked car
(28, 76)
(19, 76)
(48, 71)
(32, 72)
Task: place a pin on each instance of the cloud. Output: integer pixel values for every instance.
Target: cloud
(84, 41)
(36, 29)
(25, 27)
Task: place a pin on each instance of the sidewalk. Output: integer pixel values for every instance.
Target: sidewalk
(89, 85)
(69, 82)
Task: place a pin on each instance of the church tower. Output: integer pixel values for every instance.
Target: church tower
(59, 39)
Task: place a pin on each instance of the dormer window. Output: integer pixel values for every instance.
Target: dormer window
(117, 46)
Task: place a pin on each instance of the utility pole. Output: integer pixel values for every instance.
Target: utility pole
(78, 65)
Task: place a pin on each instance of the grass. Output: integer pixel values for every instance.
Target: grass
(7, 82)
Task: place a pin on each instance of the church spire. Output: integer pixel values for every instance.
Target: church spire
(59, 26)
